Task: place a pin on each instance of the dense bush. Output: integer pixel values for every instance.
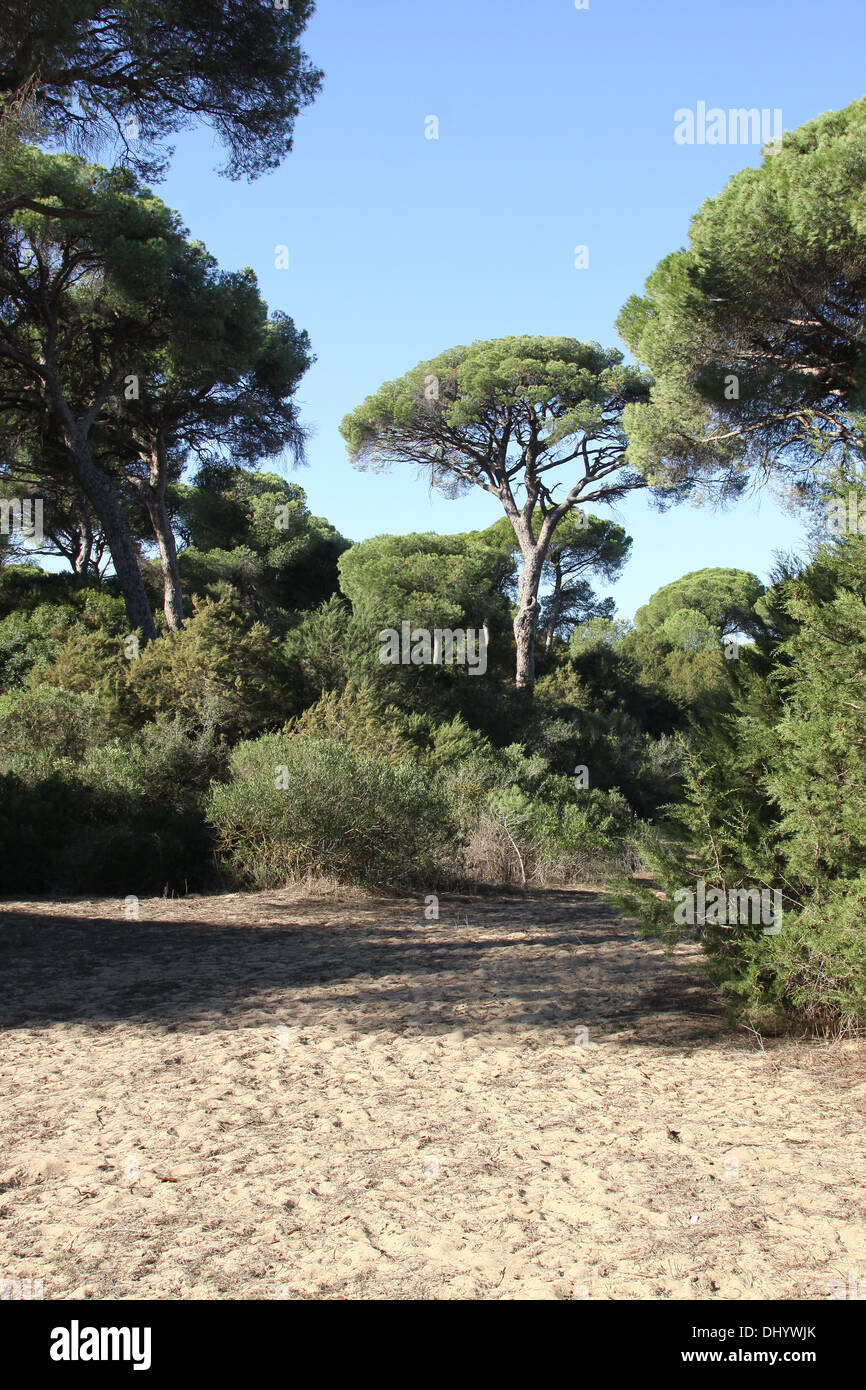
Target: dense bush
(557, 837)
(358, 715)
(48, 731)
(75, 644)
(220, 671)
(82, 811)
(298, 806)
(168, 764)
(321, 650)
(773, 798)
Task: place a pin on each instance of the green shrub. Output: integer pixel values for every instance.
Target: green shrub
(355, 716)
(74, 644)
(143, 854)
(559, 836)
(25, 587)
(321, 651)
(166, 764)
(358, 716)
(618, 754)
(297, 806)
(82, 813)
(31, 638)
(47, 730)
(219, 671)
(773, 799)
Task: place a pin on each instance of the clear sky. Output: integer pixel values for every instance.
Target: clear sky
(556, 130)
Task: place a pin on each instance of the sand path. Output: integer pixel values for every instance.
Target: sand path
(285, 1096)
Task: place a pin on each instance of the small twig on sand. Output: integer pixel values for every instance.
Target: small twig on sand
(753, 1029)
(516, 851)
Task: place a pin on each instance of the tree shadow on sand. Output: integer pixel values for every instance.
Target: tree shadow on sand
(550, 961)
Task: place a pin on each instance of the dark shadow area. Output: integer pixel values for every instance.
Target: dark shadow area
(555, 960)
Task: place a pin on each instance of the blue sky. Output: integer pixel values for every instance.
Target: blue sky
(555, 131)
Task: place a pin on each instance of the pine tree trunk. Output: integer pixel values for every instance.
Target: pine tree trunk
(526, 621)
(154, 497)
(555, 605)
(84, 553)
(100, 493)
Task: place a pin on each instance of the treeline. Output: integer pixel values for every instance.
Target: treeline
(261, 743)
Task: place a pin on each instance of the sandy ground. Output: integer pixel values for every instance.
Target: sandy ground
(284, 1096)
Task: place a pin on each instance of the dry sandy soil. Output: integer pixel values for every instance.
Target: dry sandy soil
(302, 1096)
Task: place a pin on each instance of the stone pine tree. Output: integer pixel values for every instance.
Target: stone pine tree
(121, 347)
(220, 382)
(32, 468)
(255, 532)
(582, 546)
(536, 422)
(725, 597)
(79, 294)
(755, 333)
(107, 73)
